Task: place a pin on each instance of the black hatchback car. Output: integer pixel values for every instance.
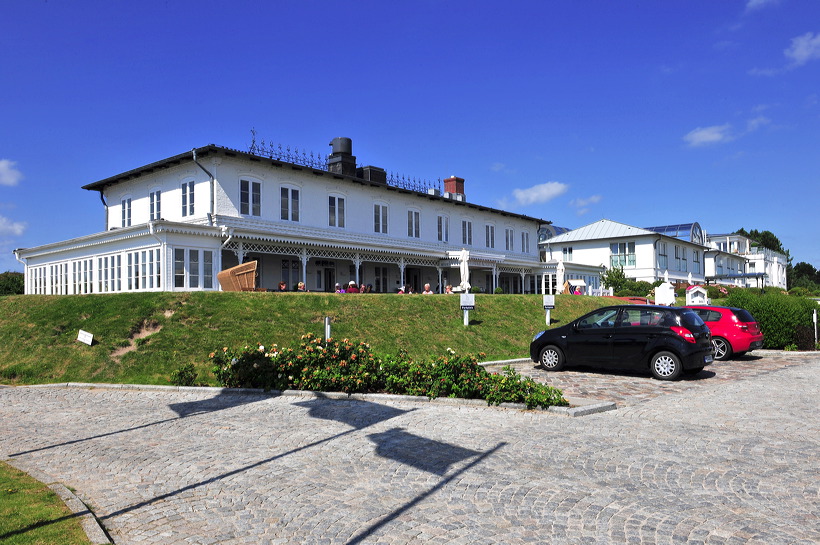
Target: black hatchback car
(666, 340)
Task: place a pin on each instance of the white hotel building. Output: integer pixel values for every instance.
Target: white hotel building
(174, 224)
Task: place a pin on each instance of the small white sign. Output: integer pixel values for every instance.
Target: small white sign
(549, 302)
(85, 337)
(467, 301)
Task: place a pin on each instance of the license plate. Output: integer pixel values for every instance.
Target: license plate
(707, 359)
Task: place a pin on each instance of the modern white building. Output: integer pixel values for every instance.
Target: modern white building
(673, 253)
(741, 261)
(174, 224)
(679, 254)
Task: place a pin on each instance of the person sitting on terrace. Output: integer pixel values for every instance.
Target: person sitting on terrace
(351, 288)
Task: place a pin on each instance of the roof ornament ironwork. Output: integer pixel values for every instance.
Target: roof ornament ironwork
(319, 161)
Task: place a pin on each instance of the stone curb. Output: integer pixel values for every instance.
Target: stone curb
(579, 407)
(88, 521)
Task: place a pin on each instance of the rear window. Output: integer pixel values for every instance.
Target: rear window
(690, 319)
(743, 315)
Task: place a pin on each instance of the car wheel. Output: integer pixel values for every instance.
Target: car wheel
(552, 359)
(666, 366)
(723, 350)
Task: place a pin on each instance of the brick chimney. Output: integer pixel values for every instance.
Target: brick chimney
(454, 185)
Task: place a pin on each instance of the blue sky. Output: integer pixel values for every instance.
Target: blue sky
(642, 112)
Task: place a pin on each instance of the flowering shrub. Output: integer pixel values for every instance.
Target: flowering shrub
(344, 366)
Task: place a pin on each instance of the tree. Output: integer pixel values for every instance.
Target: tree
(614, 278)
(767, 239)
(11, 283)
(804, 275)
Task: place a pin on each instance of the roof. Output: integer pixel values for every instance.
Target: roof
(601, 229)
(212, 149)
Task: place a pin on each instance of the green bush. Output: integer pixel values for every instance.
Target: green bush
(783, 319)
(344, 366)
(184, 376)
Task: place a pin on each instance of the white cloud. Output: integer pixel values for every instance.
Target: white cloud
(497, 167)
(9, 175)
(804, 49)
(540, 193)
(594, 199)
(756, 123)
(582, 205)
(703, 136)
(753, 5)
(8, 227)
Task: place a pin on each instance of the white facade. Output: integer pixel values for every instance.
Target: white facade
(741, 261)
(644, 255)
(172, 225)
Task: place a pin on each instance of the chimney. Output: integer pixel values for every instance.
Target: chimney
(341, 160)
(454, 186)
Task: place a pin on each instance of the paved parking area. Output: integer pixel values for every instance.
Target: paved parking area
(626, 388)
(727, 458)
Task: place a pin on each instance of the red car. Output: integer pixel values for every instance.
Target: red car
(734, 330)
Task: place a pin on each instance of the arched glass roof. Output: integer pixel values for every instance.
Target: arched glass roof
(684, 231)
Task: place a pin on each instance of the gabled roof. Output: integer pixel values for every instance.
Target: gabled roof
(601, 229)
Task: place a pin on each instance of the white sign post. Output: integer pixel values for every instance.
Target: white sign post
(549, 304)
(467, 304)
(85, 337)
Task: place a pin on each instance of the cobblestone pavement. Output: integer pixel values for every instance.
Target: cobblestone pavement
(626, 388)
(728, 458)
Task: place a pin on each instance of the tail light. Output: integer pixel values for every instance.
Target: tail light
(685, 333)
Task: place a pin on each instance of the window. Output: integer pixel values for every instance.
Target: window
(155, 210)
(508, 239)
(696, 262)
(290, 272)
(187, 199)
(466, 232)
(566, 253)
(250, 198)
(525, 242)
(143, 270)
(336, 211)
(380, 218)
(193, 269)
(489, 236)
(622, 254)
(126, 212)
(413, 223)
(443, 229)
(380, 285)
(663, 259)
(289, 197)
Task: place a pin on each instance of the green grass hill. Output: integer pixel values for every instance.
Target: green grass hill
(142, 338)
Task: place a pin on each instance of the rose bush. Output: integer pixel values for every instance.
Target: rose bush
(345, 366)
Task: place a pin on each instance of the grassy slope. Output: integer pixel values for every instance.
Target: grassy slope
(38, 333)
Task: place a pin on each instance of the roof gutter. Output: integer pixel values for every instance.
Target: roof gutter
(212, 187)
